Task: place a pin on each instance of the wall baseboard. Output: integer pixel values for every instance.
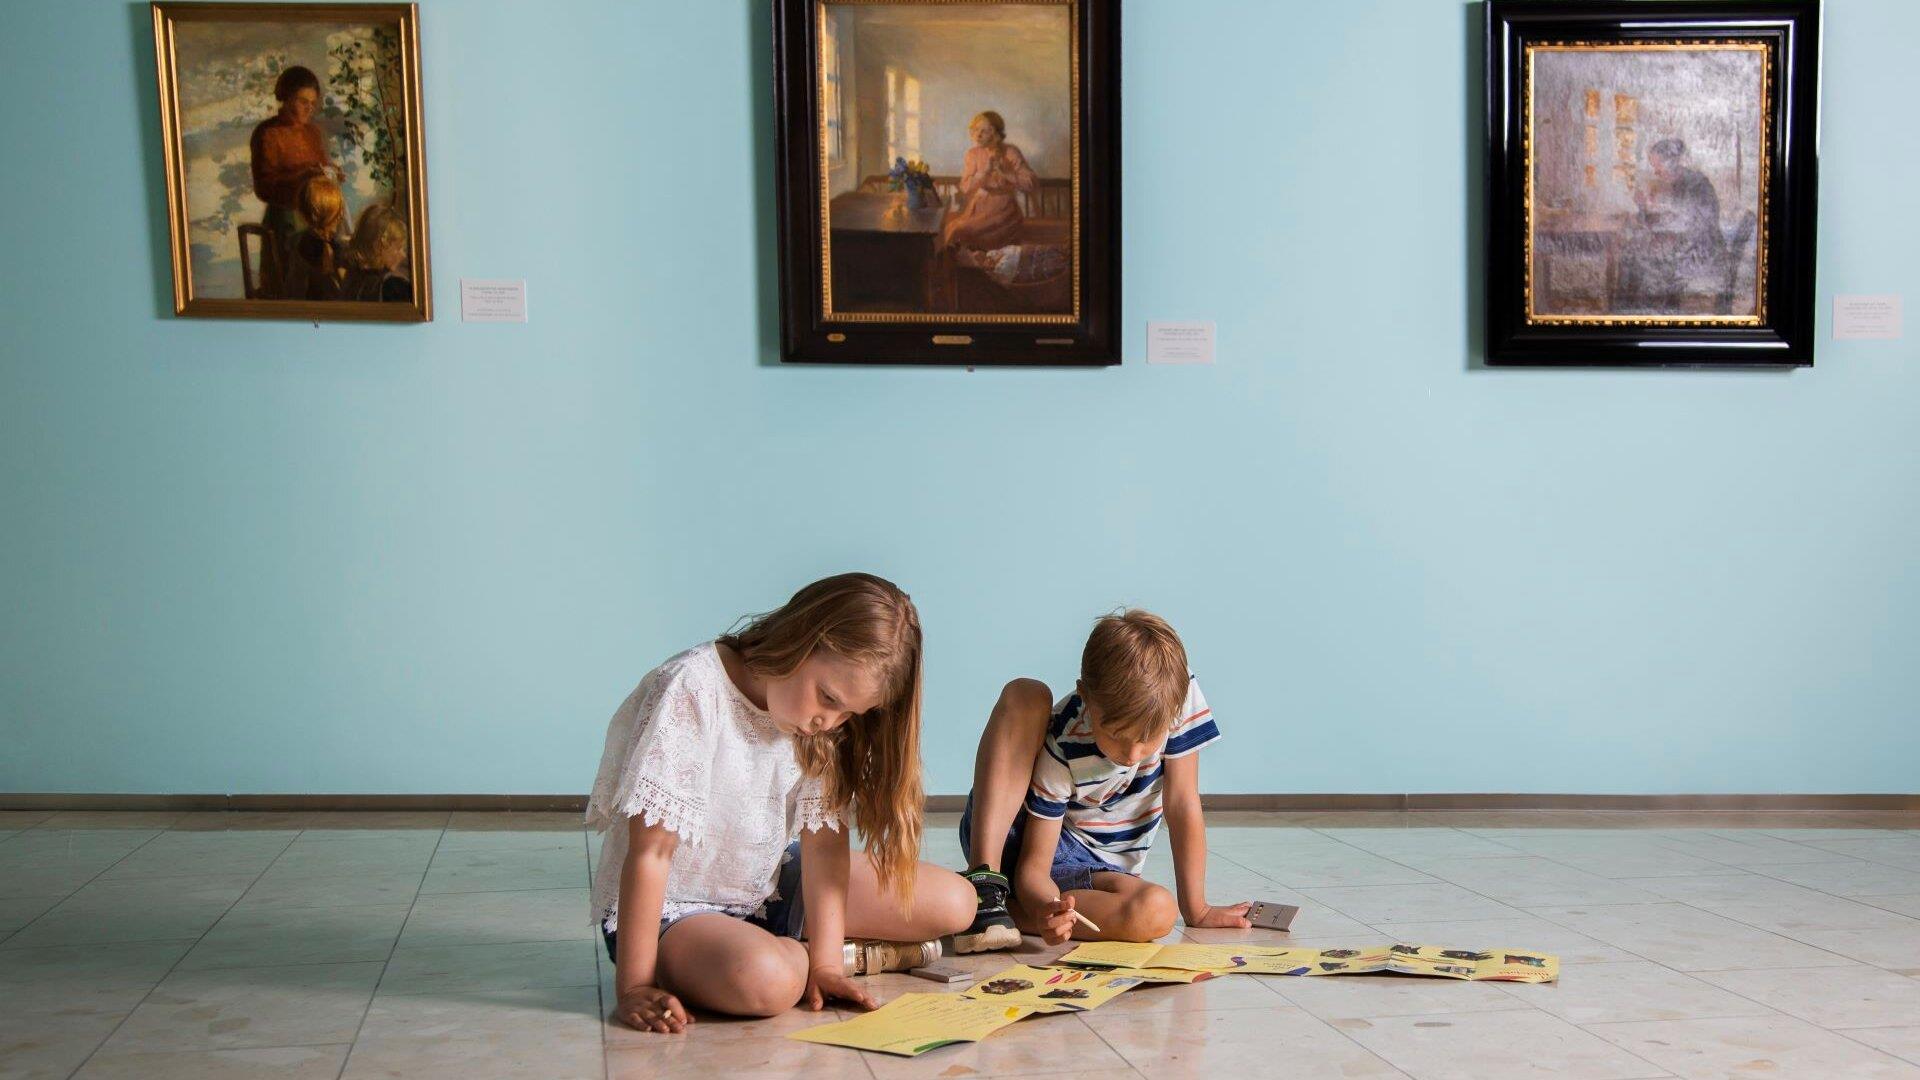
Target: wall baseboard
(1293, 803)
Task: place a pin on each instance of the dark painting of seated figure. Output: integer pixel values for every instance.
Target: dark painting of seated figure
(1646, 183)
(948, 160)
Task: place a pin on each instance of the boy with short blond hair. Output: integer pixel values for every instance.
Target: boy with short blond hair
(1097, 772)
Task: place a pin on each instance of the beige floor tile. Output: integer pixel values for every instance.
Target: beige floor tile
(551, 1033)
(19, 911)
(32, 1047)
(112, 819)
(241, 821)
(45, 882)
(1533, 881)
(1888, 820)
(1747, 850)
(355, 856)
(45, 848)
(376, 821)
(1423, 843)
(503, 869)
(457, 969)
(139, 964)
(498, 917)
(1334, 997)
(1493, 1046)
(1832, 997)
(1687, 939)
(1896, 950)
(1038, 1045)
(184, 854)
(1852, 877)
(280, 1062)
(269, 937)
(276, 890)
(13, 820)
(1347, 866)
(1894, 849)
(1779, 906)
(1907, 904)
(1637, 990)
(301, 1004)
(1272, 1041)
(1901, 1042)
(144, 909)
(688, 1055)
(74, 998)
(461, 821)
(1376, 904)
(1779, 1047)
(1520, 932)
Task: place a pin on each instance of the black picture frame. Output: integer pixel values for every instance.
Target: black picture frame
(1769, 320)
(812, 331)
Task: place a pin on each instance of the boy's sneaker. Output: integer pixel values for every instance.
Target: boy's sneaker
(992, 927)
(874, 957)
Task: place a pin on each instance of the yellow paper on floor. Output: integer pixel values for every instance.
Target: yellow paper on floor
(1162, 975)
(1187, 957)
(1492, 965)
(1051, 990)
(913, 1024)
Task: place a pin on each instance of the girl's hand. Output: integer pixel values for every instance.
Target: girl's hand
(1056, 918)
(1230, 916)
(826, 983)
(648, 1008)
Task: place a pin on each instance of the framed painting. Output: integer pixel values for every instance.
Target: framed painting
(295, 176)
(949, 180)
(1651, 177)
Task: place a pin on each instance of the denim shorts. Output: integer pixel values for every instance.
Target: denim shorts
(1074, 864)
(783, 915)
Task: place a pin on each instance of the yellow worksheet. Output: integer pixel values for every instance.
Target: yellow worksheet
(1490, 965)
(1186, 957)
(913, 1024)
(1051, 990)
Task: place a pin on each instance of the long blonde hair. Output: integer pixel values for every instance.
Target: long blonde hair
(873, 761)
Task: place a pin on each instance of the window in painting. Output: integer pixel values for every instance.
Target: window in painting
(903, 116)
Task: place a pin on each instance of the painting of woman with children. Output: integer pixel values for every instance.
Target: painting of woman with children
(293, 150)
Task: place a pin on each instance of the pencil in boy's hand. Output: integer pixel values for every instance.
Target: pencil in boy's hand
(1075, 912)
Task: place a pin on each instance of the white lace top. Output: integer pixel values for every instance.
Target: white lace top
(689, 752)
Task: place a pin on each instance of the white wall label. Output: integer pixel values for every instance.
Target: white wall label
(493, 301)
(1179, 343)
(1866, 318)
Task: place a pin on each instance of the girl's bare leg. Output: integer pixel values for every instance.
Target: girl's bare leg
(727, 965)
(942, 904)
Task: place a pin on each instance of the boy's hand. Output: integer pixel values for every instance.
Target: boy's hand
(825, 983)
(649, 1008)
(1228, 916)
(1056, 919)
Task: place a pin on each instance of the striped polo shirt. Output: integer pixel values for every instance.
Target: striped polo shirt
(1113, 809)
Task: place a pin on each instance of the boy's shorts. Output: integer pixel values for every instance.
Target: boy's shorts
(783, 915)
(1074, 864)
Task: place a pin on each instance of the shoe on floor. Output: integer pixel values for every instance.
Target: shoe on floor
(874, 957)
(992, 928)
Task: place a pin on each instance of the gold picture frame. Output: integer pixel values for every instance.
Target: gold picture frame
(295, 162)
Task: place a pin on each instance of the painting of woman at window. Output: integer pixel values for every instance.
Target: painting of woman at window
(993, 173)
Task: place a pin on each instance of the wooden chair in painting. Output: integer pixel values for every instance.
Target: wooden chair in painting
(265, 284)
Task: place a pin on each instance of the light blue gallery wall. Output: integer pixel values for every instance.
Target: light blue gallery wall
(259, 557)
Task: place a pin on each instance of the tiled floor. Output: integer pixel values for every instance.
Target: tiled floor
(426, 945)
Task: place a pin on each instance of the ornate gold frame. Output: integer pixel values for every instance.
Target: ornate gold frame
(407, 18)
(1758, 318)
(820, 153)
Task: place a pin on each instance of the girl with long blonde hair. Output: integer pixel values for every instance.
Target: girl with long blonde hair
(801, 722)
